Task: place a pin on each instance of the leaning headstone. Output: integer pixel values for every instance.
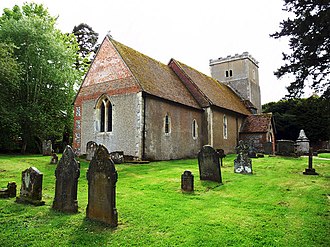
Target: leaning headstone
(302, 143)
(102, 177)
(117, 157)
(10, 191)
(90, 150)
(187, 181)
(67, 173)
(208, 163)
(242, 164)
(47, 148)
(310, 170)
(31, 189)
(221, 155)
(54, 159)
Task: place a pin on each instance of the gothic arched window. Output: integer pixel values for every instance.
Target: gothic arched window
(104, 115)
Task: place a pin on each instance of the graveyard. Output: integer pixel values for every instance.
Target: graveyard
(277, 205)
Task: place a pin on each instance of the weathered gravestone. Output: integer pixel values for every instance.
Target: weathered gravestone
(117, 157)
(310, 170)
(54, 159)
(302, 143)
(221, 155)
(47, 148)
(31, 189)
(252, 152)
(242, 164)
(102, 177)
(67, 173)
(10, 191)
(285, 147)
(187, 181)
(208, 163)
(90, 150)
(268, 147)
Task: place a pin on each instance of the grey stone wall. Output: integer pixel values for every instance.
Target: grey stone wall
(127, 125)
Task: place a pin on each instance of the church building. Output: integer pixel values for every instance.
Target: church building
(132, 103)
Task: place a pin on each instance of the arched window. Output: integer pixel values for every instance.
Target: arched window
(225, 127)
(104, 115)
(194, 129)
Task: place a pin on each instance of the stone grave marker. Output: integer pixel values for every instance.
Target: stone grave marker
(47, 148)
(268, 147)
(252, 152)
(187, 181)
(285, 147)
(54, 158)
(67, 173)
(242, 163)
(9, 192)
(208, 163)
(90, 150)
(117, 157)
(302, 143)
(221, 155)
(102, 177)
(31, 189)
(310, 170)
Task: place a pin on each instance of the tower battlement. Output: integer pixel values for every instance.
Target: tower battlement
(230, 58)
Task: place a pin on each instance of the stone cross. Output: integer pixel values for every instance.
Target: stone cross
(208, 163)
(310, 170)
(102, 178)
(187, 181)
(90, 150)
(242, 164)
(31, 189)
(67, 173)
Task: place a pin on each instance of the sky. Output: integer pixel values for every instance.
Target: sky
(191, 31)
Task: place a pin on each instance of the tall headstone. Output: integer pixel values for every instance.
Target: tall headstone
(90, 150)
(47, 148)
(31, 189)
(208, 163)
(310, 170)
(302, 143)
(102, 177)
(187, 181)
(242, 164)
(67, 173)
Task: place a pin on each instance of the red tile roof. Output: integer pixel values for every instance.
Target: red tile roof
(257, 123)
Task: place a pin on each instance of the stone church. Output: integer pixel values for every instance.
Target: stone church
(132, 103)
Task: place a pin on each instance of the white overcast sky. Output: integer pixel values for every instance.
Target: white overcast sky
(191, 31)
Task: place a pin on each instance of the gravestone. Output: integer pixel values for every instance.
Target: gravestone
(90, 150)
(117, 157)
(208, 163)
(47, 148)
(67, 173)
(102, 177)
(268, 147)
(187, 181)
(242, 164)
(252, 152)
(221, 155)
(310, 170)
(54, 159)
(302, 143)
(285, 147)
(10, 191)
(31, 189)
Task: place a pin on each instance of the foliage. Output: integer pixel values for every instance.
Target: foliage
(277, 206)
(309, 42)
(42, 100)
(312, 115)
(87, 40)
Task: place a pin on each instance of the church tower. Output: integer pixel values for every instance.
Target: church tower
(240, 72)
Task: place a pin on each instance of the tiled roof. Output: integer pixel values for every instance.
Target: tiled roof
(154, 77)
(217, 93)
(257, 123)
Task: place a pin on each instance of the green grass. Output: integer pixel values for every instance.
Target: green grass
(277, 206)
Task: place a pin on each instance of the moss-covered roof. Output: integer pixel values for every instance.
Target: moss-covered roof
(154, 77)
(217, 93)
(257, 123)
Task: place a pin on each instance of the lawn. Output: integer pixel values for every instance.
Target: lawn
(277, 206)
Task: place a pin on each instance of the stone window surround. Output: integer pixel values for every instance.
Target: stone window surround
(225, 127)
(103, 103)
(167, 124)
(194, 127)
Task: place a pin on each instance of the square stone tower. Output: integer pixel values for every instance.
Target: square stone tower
(240, 72)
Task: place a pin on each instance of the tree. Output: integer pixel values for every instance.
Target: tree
(87, 40)
(309, 42)
(42, 101)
